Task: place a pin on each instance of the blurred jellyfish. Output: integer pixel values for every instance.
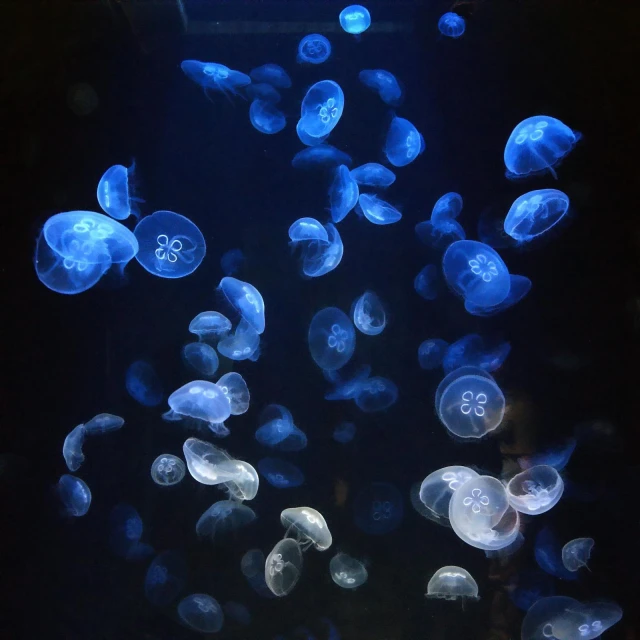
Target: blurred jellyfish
(451, 25)
(222, 518)
(320, 257)
(278, 431)
(171, 246)
(143, 384)
(308, 527)
(355, 19)
(201, 357)
(232, 261)
(115, 194)
(235, 388)
(72, 448)
(320, 156)
(373, 174)
(527, 587)
(576, 553)
(548, 555)
(378, 508)
(346, 388)
(535, 490)
(347, 572)
(446, 208)
(314, 49)
(385, 83)
(343, 194)
(252, 566)
(283, 567)
(266, 117)
(201, 401)
(200, 612)
(404, 143)
(212, 76)
(376, 210)
(437, 488)
(534, 213)
(519, 287)
(345, 432)
(321, 109)
(237, 612)
(557, 456)
(74, 494)
(332, 338)
(472, 350)
(210, 324)
(439, 235)
(272, 74)
(167, 470)
(82, 99)
(280, 473)
(125, 532)
(451, 583)
(536, 145)
(368, 314)
(262, 91)
(428, 282)
(246, 300)
(243, 344)
(166, 578)
(103, 423)
(307, 229)
(431, 352)
(376, 394)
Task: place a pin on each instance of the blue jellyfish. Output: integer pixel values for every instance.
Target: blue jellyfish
(278, 431)
(103, 423)
(171, 246)
(232, 261)
(167, 470)
(266, 117)
(307, 229)
(223, 517)
(527, 587)
(212, 76)
(355, 19)
(245, 299)
(272, 74)
(431, 352)
(263, 91)
(548, 555)
(378, 508)
(74, 494)
(537, 145)
(451, 25)
(115, 192)
(200, 612)
(373, 174)
(446, 208)
(385, 83)
(125, 532)
(166, 577)
(252, 567)
(404, 143)
(368, 314)
(237, 612)
(322, 156)
(376, 394)
(344, 432)
(556, 456)
(428, 282)
(72, 448)
(519, 287)
(210, 325)
(319, 257)
(534, 213)
(202, 357)
(321, 109)
(280, 473)
(234, 386)
(306, 138)
(343, 194)
(471, 350)
(243, 344)
(332, 338)
(346, 388)
(143, 384)
(314, 49)
(376, 210)
(203, 401)
(441, 234)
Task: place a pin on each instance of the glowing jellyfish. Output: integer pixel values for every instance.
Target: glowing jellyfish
(82, 99)
(376, 394)
(557, 456)
(167, 470)
(404, 143)
(115, 194)
(548, 555)
(232, 261)
(368, 314)
(266, 117)
(171, 246)
(355, 19)
(536, 145)
(252, 568)
(72, 448)
(143, 384)
(278, 431)
(438, 487)
(235, 388)
(472, 350)
(283, 567)
(373, 174)
(314, 49)
(237, 612)
(103, 423)
(243, 344)
(280, 473)
(376, 210)
(321, 109)
(74, 494)
(534, 213)
(125, 532)
(519, 287)
(246, 300)
(166, 577)
(576, 553)
(345, 432)
(378, 509)
(431, 352)
(332, 338)
(447, 207)
(272, 74)
(201, 612)
(428, 282)
(322, 156)
(201, 357)
(385, 83)
(210, 324)
(451, 25)
(212, 76)
(343, 193)
(224, 517)
(307, 229)
(535, 490)
(451, 583)
(347, 572)
(439, 235)
(202, 401)
(308, 527)
(320, 257)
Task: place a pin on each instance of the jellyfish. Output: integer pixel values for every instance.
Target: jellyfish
(428, 282)
(143, 384)
(171, 246)
(343, 194)
(74, 494)
(451, 583)
(491, 229)
(222, 518)
(437, 488)
(439, 235)
(252, 567)
(527, 587)
(283, 567)
(272, 74)
(125, 532)
(355, 19)
(404, 143)
(557, 456)
(210, 325)
(72, 448)
(373, 174)
(266, 117)
(321, 108)
(378, 509)
(307, 229)
(115, 194)
(451, 25)
(537, 145)
(243, 344)
(576, 553)
(332, 338)
(167, 470)
(212, 76)
(246, 300)
(103, 423)
(535, 490)
(232, 261)
(376, 210)
(280, 473)
(319, 257)
(344, 432)
(368, 314)
(346, 388)
(200, 612)
(534, 213)
(308, 526)
(385, 83)
(314, 49)
(201, 357)
(519, 287)
(166, 577)
(431, 353)
(472, 350)
(233, 386)
(278, 431)
(237, 612)
(82, 99)
(548, 555)
(202, 401)
(376, 394)
(347, 572)
(319, 157)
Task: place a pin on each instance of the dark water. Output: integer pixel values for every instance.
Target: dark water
(572, 358)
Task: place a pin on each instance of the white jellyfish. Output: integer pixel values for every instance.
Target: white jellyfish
(347, 572)
(576, 553)
(283, 567)
(308, 526)
(535, 490)
(451, 583)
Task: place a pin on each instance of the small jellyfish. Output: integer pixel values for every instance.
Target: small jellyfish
(368, 314)
(143, 384)
(224, 517)
(233, 386)
(167, 470)
(232, 261)
(344, 432)
(243, 344)
(378, 508)
(576, 553)
(171, 246)
(519, 287)
(332, 338)
(210, 324)
(451, 583)
(308, 526)
(437, 488)
(343, 194)
(319, 258)
(376, 210)
(201, 357)
(246, 300)
(451, 25)
(536, 145)
(355, 19)
(385, 83)
(201, 613)
(200, 400)
(439, 235)
(266, 117)
(252, 567)
(373, 174)
(115, 193)
(280, 473)
(347, 572)
(548, 555)
(72, 448)
(237, 612)
(404, 143)
(535, 490)
(307, 229)
(431, 352)
(272, 74)
(103, 423)
(322, 156)
(428, 282)
(212, 76)
(314, 49)
(74, 494)
(472, 350)
(534, 213)
(278, 431)
(125, 532)
(321, 109)
(283, 567)
(376, 394)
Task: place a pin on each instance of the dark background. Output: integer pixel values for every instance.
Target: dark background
(572, 358)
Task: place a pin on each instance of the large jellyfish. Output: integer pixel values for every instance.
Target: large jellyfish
(143, 384)
(347, 572)
(385, 83)
(72, 447)
(321, 109)
(308, 527)
(473, 350)
(451, 25)
(278, 431)
(368, 314)
(201, 357)
(167, 470)
(246, 300)
(373, 174)
(451, 583)
(203, 401)
(314, 49)
(212, 76)
(404, 143)
(355, 19)
(115, 193)
(283, 566)
(446, 208)
(74, 494)
(431, 352)
(222, 518)
(272, 74)
(376, 210)
(534, 213)
(266, 117)
(243, 344)
(535, 490)
(200, 612)
(343, 193)
(378, 508)
(332, 338)
(280, 473)
(576, 553)
(166, 578)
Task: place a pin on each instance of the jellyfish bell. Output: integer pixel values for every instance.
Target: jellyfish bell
(239, 477)
(355, 19)
(576, 553)
(321, 109)
(222, 518)
(167, 470)
(314, 49)
(246, 300)
(72, 448)
(201, 357)
(343, 193)
(213, 76)
(368, 314)
(242, 344)
(308, 526)
(331, 338)
(283, 567)
(404, 143)
(210, 324)
(535, 490)
(451, 25)
(452, 583)
(235, 388)
(202, 401)
(200, 612)
(376, 210)
(385, 84)
(347, 572)
(373, 174)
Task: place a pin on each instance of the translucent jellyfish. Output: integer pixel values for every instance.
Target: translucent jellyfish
(428, 282)
(535, 490)
(322, 156)
(556, 456)
(439, 235)
(272, 74)
(171, 246)
(252, 567)
(243, 344)
(167, 470)
(378, 508)
(345, 432)
(245, 299)
(355, 19)
(125, 532)
(404, 143)
(166, 578)
(476, 273)
(368, 314)
(348, 387)
(72, 448)
(527, 587)
(283, 567)
(534, 213)
(385, 83)
(222, 518)
(201, 612)
(548, 555)
(319, 257)
(201, 357)
(308, 526)
(232, 261)
(278, 431)
(307, 229)
(519, 287)
(82, 99)
(321, 108)
(103, 423)
(143, 384)
(576, 553)
(210, 324)
(451, 583)
(74, 494)
(480, 514)
(376, 394)
(373, 174)
(212, 76)
(376, 210)
(438, 487)
(536, 145)
(114, 192)
(314, 49)
(237, 612)
(347, 572)
(343, 193)
(266, 117)
(235, 388)
(431, 352)
(201, 400)
(332, 338)
(280, 473)
(472, 350)
(451, 25)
